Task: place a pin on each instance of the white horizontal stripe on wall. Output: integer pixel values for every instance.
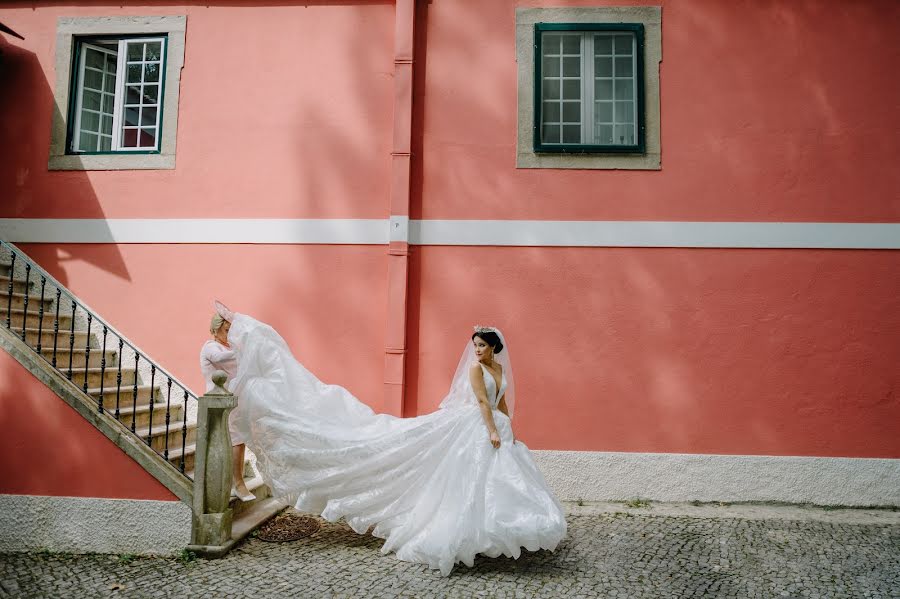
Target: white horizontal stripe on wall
(682, 234)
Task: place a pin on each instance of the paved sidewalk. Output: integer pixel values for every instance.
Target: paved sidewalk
(664, 550)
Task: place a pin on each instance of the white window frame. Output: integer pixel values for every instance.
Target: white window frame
(587, 78)
(172, 60)
(118, 130)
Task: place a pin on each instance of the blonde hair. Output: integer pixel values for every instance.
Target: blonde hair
(215, 323)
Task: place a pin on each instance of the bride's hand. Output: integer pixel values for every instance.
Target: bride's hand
(495, 439)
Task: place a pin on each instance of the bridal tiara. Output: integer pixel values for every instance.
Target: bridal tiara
(483, 329)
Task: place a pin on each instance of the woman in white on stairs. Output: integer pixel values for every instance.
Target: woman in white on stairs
(439, 488)
(217, 354)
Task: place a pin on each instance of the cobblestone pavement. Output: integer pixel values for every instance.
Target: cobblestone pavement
(630, 553)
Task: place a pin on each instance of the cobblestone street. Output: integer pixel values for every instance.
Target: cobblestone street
(611, 551)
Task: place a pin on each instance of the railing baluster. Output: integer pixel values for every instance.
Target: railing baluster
(152, 394)
(56, 325)
(41, 315)
(184, 430)
(12, 270)
(134, 393)
(87, 354)
(168, 406)
(102, 370)
(72, 338)
(119, 378)
(25, 302)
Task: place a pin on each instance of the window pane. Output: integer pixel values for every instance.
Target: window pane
(603, 89)
(108, 102)
(110, 63)
(90, 121)
(151, 94)
(624, 89)
(572, 89)
(105, 144)
(571, 134)
(135, 51)
(129, 138)
(623, 67)
(624, 112)
(624, 135)
(623, 44)
(151, 72)
(131, 116)
(603, 67)
(106, 122)
(604, 135)
(133, 94)
(572, 66)
(88, 142)
(551, 89)
(148, 116)
(602, 44)
(153, 51)
(572, 112)
(551, 43)
(551, 112)
(91, 100)
(603, 112)
(109, 83)
(550, 134)
(134, 73)
(572, 44)
(551, 67)
(93, 79)
(148, 138)
(93, 58)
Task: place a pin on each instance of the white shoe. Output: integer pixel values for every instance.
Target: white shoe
(248, 497)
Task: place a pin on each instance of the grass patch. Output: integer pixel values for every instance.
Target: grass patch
(127, 558)
(186, 557)
(637, 503)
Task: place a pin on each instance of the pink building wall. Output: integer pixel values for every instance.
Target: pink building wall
(764, 118)
(51, 450)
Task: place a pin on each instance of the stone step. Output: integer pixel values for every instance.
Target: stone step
(259, 490)
(175, 456)
(126, 395)
(129, 375)
(65, 320)
(62, 338)
(18, 301)
(78, 356)
(19, 285)
(143, 416)
(157, 435)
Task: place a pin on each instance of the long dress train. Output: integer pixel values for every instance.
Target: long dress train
(432, 486)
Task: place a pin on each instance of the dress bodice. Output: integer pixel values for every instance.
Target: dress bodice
(491, 386)
(215, 356)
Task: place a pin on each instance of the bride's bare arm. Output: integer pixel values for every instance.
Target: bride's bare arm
(475, 378)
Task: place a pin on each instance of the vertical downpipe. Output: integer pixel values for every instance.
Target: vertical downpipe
(398, 250)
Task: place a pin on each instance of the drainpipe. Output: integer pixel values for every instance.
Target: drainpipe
(398, 250)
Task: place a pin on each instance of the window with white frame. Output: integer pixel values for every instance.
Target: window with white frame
(117, 95)
(588, 95)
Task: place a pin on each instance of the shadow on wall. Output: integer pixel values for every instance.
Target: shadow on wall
(26, 106)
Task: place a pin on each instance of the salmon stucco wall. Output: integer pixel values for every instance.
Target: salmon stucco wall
(50, 449)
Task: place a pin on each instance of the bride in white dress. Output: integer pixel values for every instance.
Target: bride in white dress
(439, 488)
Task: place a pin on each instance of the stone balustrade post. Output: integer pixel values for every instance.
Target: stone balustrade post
(212, 467)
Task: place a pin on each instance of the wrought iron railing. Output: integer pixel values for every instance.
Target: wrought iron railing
(68, 307)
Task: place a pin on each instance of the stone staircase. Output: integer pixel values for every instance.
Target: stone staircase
(141, 398)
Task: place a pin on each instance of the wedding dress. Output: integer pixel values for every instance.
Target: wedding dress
(432, 486)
